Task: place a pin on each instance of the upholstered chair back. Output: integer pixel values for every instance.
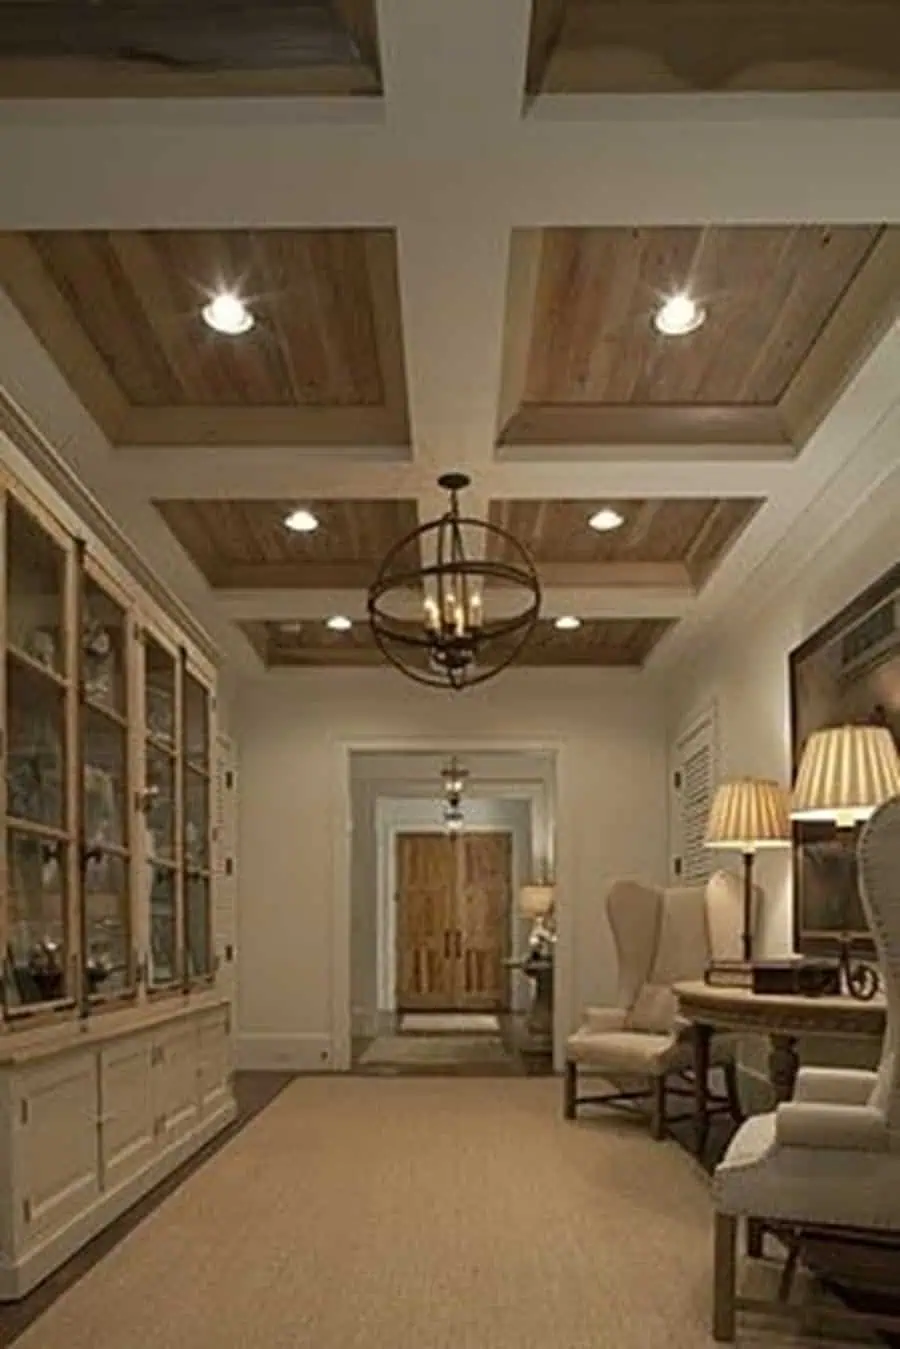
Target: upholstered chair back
(661, 936)
(879, 883)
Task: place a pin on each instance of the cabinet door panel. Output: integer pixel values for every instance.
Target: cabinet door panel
(127, 1138)
(176, 1089)
(57, 1144)
(215, 1061)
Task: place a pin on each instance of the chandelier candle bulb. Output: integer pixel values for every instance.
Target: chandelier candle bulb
(432, 615)
(475, 611)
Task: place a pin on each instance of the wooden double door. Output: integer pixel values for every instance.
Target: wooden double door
(453, 914)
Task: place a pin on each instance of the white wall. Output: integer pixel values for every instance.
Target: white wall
(294, 730)
(743, 672)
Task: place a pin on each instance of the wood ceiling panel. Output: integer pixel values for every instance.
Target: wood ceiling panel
(245, 544)
(664, 46)
(768, 292)
(694, 532)
(597, 643)
(138, 297)
(71, 48)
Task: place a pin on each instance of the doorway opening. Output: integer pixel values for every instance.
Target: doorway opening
(437, 935)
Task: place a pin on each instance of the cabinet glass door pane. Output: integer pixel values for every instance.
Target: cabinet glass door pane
(160, 782)
(159, 692)
(196, 820)
(197, 920)
(103, 649)
(37, 950)
(163, 933)
(196, 723)
(107, 923)
(35, 763)
(105, 780)
(35, 583)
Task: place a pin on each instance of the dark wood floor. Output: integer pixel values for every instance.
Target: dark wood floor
(254, 1091)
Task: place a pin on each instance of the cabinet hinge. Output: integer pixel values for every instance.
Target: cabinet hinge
(229, 866)
(24, 1112)
(26, 1210)
(676, 781)
(677, 866)
(229, 779)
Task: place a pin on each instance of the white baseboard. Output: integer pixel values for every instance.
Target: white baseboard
(261, 1052)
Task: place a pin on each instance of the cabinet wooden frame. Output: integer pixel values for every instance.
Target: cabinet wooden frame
(87, 573)
(192, 672)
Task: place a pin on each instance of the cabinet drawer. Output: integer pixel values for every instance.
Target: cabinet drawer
(127, 1137)
(56, 1151)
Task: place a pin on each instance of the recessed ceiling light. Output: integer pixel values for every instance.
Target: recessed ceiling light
(605, 520)
(678, 316)
(301, 521)
(227, 313)
(567, 623)
(339, 623)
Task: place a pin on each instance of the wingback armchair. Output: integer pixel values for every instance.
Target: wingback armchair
(661, 936)
(830, 1158)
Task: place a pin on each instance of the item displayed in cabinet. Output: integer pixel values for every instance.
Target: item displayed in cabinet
(40, 644)
(98, 656)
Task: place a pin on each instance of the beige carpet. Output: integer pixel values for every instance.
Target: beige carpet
(415, 1213)
(434, 1051)
(432, 1023)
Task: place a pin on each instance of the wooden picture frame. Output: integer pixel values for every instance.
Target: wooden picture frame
(846, 671)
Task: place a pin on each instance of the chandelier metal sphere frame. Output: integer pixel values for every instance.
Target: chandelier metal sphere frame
(455, 643)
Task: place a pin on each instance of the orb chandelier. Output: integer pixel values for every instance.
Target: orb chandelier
(446, 638)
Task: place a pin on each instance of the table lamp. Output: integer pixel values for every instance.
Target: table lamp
(845, 772)
(536, 902)
(748, 814)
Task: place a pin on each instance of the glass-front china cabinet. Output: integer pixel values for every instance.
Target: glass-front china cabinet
(107, 736)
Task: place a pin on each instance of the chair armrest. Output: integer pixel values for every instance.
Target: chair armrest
(856, 1128)
(840, 1086)
(602, 1019)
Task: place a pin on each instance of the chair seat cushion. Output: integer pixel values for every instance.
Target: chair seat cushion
(627, 1051)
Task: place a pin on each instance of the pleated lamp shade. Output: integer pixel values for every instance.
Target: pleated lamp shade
(845, 773)
(749, 813)
(536, 901)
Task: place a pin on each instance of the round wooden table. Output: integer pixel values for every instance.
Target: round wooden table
(784, 1018)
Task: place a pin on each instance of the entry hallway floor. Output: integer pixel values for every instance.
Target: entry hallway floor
(412, 1213)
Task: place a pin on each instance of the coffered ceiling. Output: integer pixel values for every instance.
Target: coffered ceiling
(659, 46)
(62, 48)
(120, 313)
(454, 231)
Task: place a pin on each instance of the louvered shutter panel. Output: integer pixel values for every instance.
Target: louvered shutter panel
(693, 785)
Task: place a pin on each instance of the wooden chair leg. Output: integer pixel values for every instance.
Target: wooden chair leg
(756, 1231)
(732, 1092)
(658, 1120)
(570, 1089)
(725, 1278)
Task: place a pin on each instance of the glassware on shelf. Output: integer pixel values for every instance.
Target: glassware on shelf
(107, 923)
(196, 899)
(35, 590)
(34, 757)
(105, 781)
(103, 633)
(36, 952)
(196, 821)
(159, 692)
(159, 802)
(163, 964)
(196, 724)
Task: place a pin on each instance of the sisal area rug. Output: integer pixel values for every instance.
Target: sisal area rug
(436, 1023)
(413, 1213)
(433, 1051)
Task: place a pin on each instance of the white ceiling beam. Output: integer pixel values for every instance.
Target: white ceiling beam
(604, 160)
(283, 606)
(184, 472)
